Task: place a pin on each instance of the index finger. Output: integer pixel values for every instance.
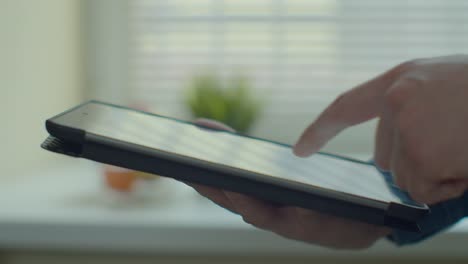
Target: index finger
(353, 107)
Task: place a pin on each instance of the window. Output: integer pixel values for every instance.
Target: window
(298, 54)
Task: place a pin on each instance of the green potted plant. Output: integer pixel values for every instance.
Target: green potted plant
(232, 104)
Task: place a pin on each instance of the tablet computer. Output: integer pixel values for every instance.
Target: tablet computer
(264, 169)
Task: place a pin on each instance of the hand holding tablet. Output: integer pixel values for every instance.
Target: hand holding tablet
(293, 222)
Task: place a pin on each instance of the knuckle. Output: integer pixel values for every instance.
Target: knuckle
(401, 92)
(396, 97)
(406, 66)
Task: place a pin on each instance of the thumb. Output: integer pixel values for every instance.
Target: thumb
(212, 124)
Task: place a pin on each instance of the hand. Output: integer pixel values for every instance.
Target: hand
(422, 136)
(292, 222)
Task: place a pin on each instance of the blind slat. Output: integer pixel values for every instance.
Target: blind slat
(300, 53)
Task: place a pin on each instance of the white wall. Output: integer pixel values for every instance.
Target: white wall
(40, 74)
(105, 25)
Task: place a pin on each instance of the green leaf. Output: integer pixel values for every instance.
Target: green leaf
(232, 104)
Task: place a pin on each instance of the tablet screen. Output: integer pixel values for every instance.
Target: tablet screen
(249, 154)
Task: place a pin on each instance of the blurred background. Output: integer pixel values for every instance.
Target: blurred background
(265, 67)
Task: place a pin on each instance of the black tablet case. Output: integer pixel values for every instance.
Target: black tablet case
(76, 143)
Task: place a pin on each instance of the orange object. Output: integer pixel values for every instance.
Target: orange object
(120, 179)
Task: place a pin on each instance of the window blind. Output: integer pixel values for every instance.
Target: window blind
(298, 54)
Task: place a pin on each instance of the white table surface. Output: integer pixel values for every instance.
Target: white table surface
(67, 208)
